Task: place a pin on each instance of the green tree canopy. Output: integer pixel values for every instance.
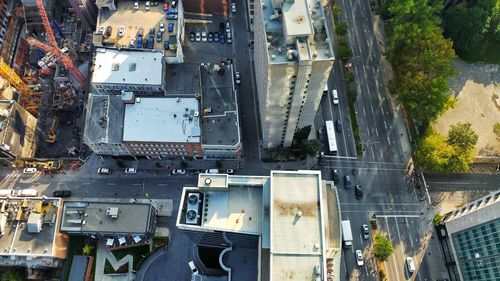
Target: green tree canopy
(12, 275)
(382, 248)
(462, 136)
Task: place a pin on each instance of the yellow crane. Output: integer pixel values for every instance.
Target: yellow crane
(11, 76)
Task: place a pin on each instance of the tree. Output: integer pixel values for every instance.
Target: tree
(301, 135)
(382, 248)
(12, 275)
(462, 136)
(433, 153)
(87, 249)
(344, 51)
(341, 29)
(496, 130)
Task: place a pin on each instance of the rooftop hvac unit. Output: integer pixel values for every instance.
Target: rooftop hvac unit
(193, 204)
(112, 212)
(192, 217)
(75, 221)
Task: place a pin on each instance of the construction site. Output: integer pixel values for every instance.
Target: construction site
(45, 47)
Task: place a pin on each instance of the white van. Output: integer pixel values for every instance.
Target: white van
(335, 97)
(193, 268)
(410, 264)
(27, 193)
(6, 192)
(212, 171)
(325, 91)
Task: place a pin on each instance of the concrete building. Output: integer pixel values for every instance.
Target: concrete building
(17, 129)
(469, 238)
(115, 14)
(283, 227)
(108, 219)
(86, 12)
(115, 71)
(293, 60)
(29, 232)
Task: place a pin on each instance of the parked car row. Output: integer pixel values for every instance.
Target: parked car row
(108, 171)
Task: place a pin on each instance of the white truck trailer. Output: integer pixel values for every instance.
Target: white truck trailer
(347, 233)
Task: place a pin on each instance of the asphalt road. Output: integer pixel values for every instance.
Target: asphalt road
(462, 182)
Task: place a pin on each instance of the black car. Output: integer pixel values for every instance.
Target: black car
(108, 31)
(347, 182)
(335, 176)
(338, 126)
(222, 27)
(145, 43)
(359, 192)
(191, 37)
(62, 193)
(166, 45)
(321, 159)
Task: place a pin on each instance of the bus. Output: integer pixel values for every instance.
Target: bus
(330, 133)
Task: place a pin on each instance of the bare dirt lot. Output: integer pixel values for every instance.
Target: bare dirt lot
(477, 87)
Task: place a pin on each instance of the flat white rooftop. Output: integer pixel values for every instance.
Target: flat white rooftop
(162, 120)
(296, 19)
(127, 67)
(297, 232)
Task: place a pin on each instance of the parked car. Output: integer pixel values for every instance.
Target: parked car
(221, 27)
(132, 43)
(359, 192)
(193, 268)
(366, 231)
(228, 26)
(159, 36)
(165, 7)
(147, 5)
(101, 30)
(229, 40)
(61, 193)
(237, 78)
(192, 37)
(172, 12)
(338, 126)
(151, 42)
(173, 3)
(229, 171)
(233, 7)
(204, 36)
(171, 17)
(166, 45)
(145, 43)
(216, 36)
(27, 193)
(136, 5)
(359, 258)
(212, 171)
(178, 172)
(335, 176)
(198, 36)
(29, 170)
(104, 171)
(210, 37)
(140, 32)
(108, 31)
(171, 27)
(130, 171)
(321, 159)
(152, 32)
(162, 26)
(410, 264)
(347, 182)
(138, 43)
(222, 38)
(335, 97)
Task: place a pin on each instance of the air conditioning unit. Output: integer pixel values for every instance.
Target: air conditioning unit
(193, 205)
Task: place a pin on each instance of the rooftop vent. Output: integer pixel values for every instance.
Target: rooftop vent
(208, 181)
(132, 66)
(115, 67)
(112, 212)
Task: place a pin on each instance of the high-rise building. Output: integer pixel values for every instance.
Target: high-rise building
(470, 239)
(293, 60)
(86, 11)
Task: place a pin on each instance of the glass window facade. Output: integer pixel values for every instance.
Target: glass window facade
(478, 251)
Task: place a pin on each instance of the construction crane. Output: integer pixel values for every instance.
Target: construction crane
(52, 49)
(52, 136)
(29, 99)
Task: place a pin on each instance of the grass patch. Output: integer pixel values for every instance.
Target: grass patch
(351, 99)
(139, 254)
(108, 269)
(486, 52)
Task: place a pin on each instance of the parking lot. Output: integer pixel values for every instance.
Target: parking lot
(205, 51)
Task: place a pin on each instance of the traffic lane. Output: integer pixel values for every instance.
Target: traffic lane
(461, 182)
(389, 228)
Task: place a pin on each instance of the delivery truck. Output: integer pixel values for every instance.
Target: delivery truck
(347, 233)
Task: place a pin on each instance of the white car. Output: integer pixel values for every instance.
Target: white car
(193, 268)
(178, 172)
(101, 30)
(198, 37)
(130, 171)
(104, 171)
(233, 7)
(29, 170)
(237, 78)
(121, 31)
(359, 258)
(410, 264)
(136, 5)
(229, 171)
(147, 5)
(162, 27)
(204, 36)
(366, 231)
(335, 97)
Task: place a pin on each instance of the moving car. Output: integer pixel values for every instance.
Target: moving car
(321, 159)
(101, 30)
(121, 31)
(162, 26)
(7, 192)
(365, 231)
(130, 171)
(338, 126)
(173, 3)
(335, 97)
(171, 16)
(27, 193)
(233, 7)
(229, 39)
(29, 170)
(171, 27)
(61, 193)
(359, 192)
(335, 176)
(192, 37)
(359, 258)
(204, 36)
(104, 171)
(198, 36)
(410, 264)
(228, 26)
(237, 78)
(347, 182)
(178, 172)
(193, 268)
(172, 12)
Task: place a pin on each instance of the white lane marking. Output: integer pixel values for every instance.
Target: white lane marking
(382, 109)
(341, 157)
(388, 140)
(371, 106)
(399, 216)
(393, 256)
(385, 125)
(381, 154)
(85, 183)
(110, 183)
(376, 131)
(360, 239)
(374, 169)
(137, 184)
(162, 184)
(364, 111)
(444, 182)
(400, 241)
(409, 233)
(383, 204)
(373, 153)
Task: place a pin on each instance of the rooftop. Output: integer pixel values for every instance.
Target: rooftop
(295, 29)
(17, 129)
(29, 227)
(104, 121)
(133, 20)
(220, 110)
(97, 217)
(162, 120)
(182, 79)
(127, 67)
(297, 228)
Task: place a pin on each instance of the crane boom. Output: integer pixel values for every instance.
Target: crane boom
(8, 74)
(46, 23)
